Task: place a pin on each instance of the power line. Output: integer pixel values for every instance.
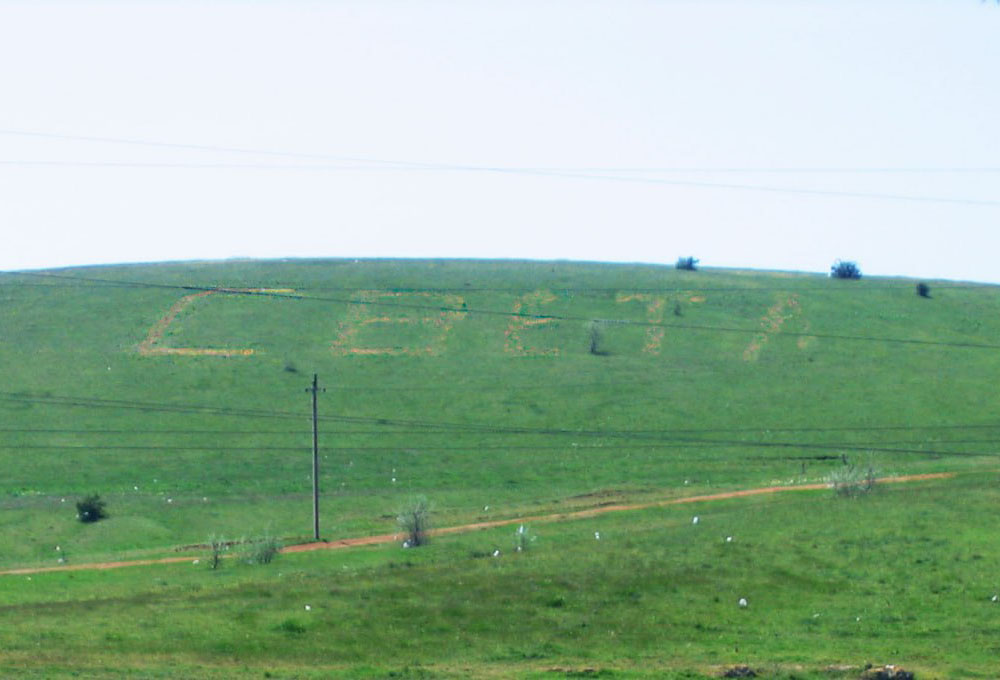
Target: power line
(326, 156)
(504, 313)
(945, 427)
(473, 428)
(418, 164)
(473, 448)
(577, 175)
(603, 175)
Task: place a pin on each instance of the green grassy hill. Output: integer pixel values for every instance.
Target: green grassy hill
(497, 390)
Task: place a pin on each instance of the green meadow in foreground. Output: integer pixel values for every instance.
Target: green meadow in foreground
(497, 390)
(904, 575)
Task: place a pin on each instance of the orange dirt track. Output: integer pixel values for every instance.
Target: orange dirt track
(390, 538)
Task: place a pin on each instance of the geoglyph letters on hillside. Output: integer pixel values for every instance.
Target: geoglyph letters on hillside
(418, 323)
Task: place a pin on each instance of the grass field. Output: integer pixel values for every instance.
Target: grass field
(474, 384)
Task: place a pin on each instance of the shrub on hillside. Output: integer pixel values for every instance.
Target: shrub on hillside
(845, 270)
(852, 480)
(217, 547)
(595, 330)
(414, 520)
(687, 263)
(261, 550)
(91, 509)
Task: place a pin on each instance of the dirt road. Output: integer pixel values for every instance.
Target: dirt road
(557, 517)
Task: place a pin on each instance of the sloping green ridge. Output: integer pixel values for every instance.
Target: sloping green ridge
(472, 383)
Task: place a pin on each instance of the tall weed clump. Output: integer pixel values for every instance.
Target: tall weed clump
(415, 522)
(523, 538)
(217, 546)
(261, 550)
(853, 480)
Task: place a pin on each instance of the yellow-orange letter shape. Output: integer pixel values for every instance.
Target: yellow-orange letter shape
(360, 316)
(513, 343)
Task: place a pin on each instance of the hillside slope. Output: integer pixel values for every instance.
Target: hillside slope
(177, 391)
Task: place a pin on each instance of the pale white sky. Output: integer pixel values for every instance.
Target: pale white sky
(566, 129)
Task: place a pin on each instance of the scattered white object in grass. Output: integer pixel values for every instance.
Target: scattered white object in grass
(109, 368)
(205, 499)
(406, 544)
(815, 616)
(196, 562)
(58, 548)
(995, 598)
(63, 500)
(743, 602)
(29, 578)
(496, 553)
(686, 482)
(170, 500)
(597, 535)
(729, 539)
(858, 618)
(393, 480)
(694, 520)
(518, 549)
(308, 608)
(486, 508)
(135, 488)
(62, 560)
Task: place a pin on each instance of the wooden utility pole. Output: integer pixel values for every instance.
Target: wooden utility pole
(315, 389)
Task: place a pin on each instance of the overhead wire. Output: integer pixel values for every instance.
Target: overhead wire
(767, 430)
(670, 445)
(659, 436)
(607, 175)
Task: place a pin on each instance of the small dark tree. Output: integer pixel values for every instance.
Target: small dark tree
(845, 270)
(923, 290)
(218, 546)
(687, 263)
(595, 329)
(91, 509)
